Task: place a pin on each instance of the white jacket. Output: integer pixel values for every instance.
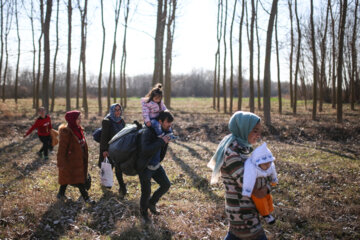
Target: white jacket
(252, 171)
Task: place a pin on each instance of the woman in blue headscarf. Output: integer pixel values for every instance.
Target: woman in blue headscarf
(111, 125)
(228, 162)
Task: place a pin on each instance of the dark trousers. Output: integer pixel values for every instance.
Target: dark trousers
(81, 187)
(46, 141)
(231, 236)
(119, 176)
(161, 178)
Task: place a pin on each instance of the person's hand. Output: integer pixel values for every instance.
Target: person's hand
(105, 154)
(260, 192)
(148, 124)
(166, 138)
(24, 136)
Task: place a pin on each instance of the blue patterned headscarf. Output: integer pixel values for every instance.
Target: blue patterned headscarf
(240, 125)
(111, 113)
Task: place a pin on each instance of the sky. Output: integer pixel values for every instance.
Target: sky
(194, 46)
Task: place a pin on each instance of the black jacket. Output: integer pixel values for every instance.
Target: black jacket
(107, 133)
(150, 144)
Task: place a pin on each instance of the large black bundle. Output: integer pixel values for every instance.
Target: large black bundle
(123, 148)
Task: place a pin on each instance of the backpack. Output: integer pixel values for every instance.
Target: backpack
(97, 133)
(124, 146)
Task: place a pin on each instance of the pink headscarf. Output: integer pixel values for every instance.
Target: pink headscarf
(71, 118)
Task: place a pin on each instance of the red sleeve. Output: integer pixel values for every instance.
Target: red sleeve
(34, 126)
(50, 126)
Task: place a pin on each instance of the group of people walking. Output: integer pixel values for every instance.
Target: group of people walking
(242, 206)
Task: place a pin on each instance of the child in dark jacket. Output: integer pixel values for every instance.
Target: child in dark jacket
(43, 126)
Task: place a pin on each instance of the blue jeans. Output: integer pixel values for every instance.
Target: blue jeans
(159, 175)
(231, 236)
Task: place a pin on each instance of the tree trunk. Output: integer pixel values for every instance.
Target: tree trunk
(168, 56)
(240, 57)
(39, 57)
(220, 8)
(354, 59)
(46, 30)
(297, 59)
(333, 97)
(315, 72)
(225, 52)
(78, 83)
(340, 62)
(7, 31)
(258, 58)
(278, 65)
(83, 15)
(2, 43)
(267, 75)
(291, 52)
(232, 61)
(68, 67)
(323, 60)
(102, 60)
(18, 56)
(123, 59)
(55, 57)
(251, 79)
(159, 41)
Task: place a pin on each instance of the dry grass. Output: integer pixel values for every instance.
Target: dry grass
(317, 162)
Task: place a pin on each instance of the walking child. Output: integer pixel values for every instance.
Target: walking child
(43, 126)
(260, 164)
(152, 105)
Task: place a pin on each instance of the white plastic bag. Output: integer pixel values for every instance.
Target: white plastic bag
(106, 174)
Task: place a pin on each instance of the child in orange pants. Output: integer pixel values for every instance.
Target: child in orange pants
(260, 164)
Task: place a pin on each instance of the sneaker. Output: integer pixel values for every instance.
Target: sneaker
(145, 218)
(269, 219)
(46, 158)
(153, 210)
(40, 154)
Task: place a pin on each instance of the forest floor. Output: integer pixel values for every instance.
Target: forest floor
(318, 165)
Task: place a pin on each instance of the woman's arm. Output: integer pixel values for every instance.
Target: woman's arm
(63, 150)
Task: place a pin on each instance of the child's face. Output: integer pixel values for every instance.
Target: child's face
(41, 113)
(265, 166)
(255, 134)
(157, 98)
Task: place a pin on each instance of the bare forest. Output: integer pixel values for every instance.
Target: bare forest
(293, 63)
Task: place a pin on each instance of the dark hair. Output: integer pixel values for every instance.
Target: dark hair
(155, 91)
(166, 115)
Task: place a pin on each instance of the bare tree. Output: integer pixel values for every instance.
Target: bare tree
(217, 67)
(7, 31)
(68, 68)
(55, 57)
(159, 41)
(333, 98)
(102, 59)
(168, 55)
(267, 75)
(291, 52)
(340, 62)
(113, 55)
(251, 49)
(313, 48)
(297, 58)
(354, 58)
(278, 64)
(46, 30)
(232, 60)
(78, 80)
(258, 57)
(83, 14)
(18, 56)
(225, 52)
(240, 78)
(123, 58)
(2, 39)
(37, 90)
(323, 59)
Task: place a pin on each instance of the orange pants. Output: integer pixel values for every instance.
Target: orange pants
(263, 205)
